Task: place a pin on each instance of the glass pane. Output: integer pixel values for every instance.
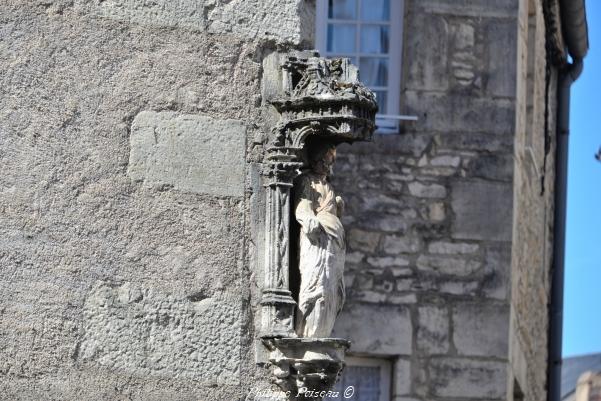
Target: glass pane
(374, 71)
(342, 9)
(375, 10)
(341, 38)
(374, 39)
(365, 382)
(382, 98)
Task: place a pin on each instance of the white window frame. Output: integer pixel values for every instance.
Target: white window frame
(385, 373)
(389, 123)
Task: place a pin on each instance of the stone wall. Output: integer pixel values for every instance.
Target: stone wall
(533, 220)
(125, 127)
(432, 211)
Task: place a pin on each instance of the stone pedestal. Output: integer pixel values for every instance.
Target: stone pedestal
(306, 368)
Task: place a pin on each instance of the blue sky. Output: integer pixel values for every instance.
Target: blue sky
(582, 303)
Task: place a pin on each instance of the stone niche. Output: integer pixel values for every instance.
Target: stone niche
(309, 102)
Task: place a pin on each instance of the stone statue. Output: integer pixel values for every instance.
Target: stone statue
(321, 245)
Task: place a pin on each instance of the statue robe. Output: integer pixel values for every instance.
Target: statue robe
(321, 256)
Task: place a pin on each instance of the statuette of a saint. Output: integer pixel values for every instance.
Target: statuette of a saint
(321, 245)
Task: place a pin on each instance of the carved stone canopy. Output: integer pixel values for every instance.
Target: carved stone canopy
(323, 97)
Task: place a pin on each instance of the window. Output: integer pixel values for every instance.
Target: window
(369, 32)
(369, 379)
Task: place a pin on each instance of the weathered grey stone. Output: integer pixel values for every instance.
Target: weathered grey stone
(393, 336)
(432, 334)
(428, 66)
(465, 61)
(394, 245)
(384, 285)
(465, 378)
(436, 211)
(387, 223)
(354, 257)
(382, 203)
(429, 172)
(143, 332)
(446, 160)
(460, 113)
(401, 382)
(401, 299)
(482, 210)
(361, 240)
(374, 297)
(365, 282)
(401, 271)
(492, 167)
(382, 145)
(404, 284)
(387, 261)
(191, 153)
(481, 330)
(427, 190)
(476, 8)
(502, 75)
(497, 271)
(459, 287)
(475, 141)
(284, 21)
(451, 265)
(452, 248)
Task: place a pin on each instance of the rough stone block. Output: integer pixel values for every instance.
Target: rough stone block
(451, 265)
(393, 244)
(491, 167)
(283, 21)
(401, 299)
(427, 53)
(143, 332)
(445, 161)
(404, 284)
(483, 210)
(502, 46)
(446, 113)
(476, 141)
(477, 8)
(481, 330)
(401, 383)
(375, 329)
(427, 190)
(497, 270)
(433, 330)
(459, 287)
(354, 257)
(395, 145)
(387, 222)
(465, 378)
(452, 248)
(361, 240)
(436, 211)
(372, 297)
(387, 261)
(401, 271)
(190, 152)
(365, 282)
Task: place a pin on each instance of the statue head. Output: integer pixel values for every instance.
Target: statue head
(322, 157)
